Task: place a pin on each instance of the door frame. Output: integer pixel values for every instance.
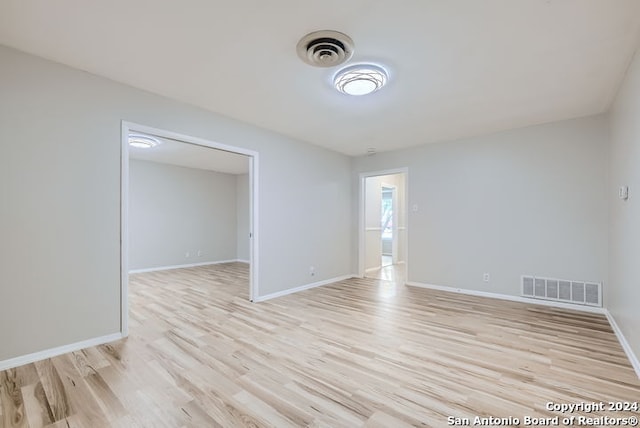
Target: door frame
(361, 214)
(394, 220)
(126, 127)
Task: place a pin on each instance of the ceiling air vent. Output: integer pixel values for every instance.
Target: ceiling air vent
(325, 48)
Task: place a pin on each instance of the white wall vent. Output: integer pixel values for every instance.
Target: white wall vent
(561, 290)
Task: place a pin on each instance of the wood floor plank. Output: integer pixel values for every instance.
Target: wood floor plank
(36, 405)
(57, 400)
(361, 352)
(383, 420)
(13, 408)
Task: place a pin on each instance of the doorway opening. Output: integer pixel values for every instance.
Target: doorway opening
(388, 218)
(185, 202)
(383, 246)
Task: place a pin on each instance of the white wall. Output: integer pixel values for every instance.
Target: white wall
(180, 215)
(60, 191)
(243, 217)
(526, 201)
(623, 295)
(372, 232)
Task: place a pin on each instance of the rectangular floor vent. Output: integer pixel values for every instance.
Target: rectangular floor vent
(561, 290)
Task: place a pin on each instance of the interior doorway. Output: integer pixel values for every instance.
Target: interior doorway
(194, 160)
(383, 247)
(388, 224)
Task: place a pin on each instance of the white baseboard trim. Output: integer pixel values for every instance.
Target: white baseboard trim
(54, 352)
(159, 268)
(302, 288)
(242, 261)
(633, 359)
(591, 309)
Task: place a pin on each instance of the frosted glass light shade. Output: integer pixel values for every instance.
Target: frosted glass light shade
(142, 141)
(361, 79)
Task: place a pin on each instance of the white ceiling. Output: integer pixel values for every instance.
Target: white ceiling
(192, 156)
(457, 67)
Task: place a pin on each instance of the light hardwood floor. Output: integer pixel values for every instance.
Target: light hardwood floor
(394, 273)
(362, 352)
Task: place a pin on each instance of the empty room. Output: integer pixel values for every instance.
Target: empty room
(319, 214)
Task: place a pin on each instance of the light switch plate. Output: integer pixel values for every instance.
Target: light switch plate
(623, 192)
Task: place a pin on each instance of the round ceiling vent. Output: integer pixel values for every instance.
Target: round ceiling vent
(325, 48)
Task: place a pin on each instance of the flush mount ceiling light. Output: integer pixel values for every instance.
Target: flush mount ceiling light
(360, 79)
(142, 141)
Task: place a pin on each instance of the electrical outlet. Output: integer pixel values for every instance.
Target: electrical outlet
(312, 271)
(199, 253)
(187, 255)
(485, 277)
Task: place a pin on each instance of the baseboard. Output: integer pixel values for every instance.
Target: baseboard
(591, 309)
(54, 352)
(159, 268)
(242, 261)
(633, 359)
(302, 288)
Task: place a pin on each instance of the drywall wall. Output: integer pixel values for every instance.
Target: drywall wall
(60, 190)
(373, 206)
(623, 294)
(180, 215)
(243, 217)
(526, 201)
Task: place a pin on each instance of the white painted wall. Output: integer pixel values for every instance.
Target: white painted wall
(373, 206)
(176, 212)
(60, 192)
(243, 200)
(623, 294)
(526, 201)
